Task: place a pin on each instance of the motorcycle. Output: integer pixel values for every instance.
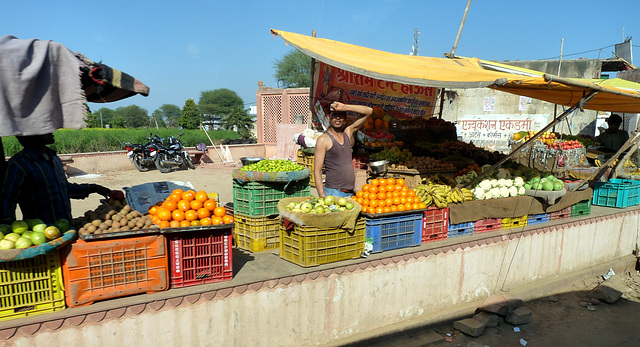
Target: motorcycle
(173, 154)
(143, 156)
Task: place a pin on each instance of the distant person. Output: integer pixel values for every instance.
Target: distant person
(35, 180)
(333, 151)
(612, 139)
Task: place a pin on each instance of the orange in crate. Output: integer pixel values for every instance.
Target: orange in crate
(99, 270)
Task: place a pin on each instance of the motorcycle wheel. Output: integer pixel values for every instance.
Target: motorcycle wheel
(187, 159)
(137, 162)
(164, 168)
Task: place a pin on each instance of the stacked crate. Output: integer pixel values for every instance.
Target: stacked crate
(393, 232)
(255, 206)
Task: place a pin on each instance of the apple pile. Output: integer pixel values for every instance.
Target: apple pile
(327, 204)
(30, 232)
(565, 145)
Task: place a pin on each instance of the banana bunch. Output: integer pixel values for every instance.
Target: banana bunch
(441, 195)
(628, 163)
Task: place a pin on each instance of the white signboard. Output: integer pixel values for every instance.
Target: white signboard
(493, 132)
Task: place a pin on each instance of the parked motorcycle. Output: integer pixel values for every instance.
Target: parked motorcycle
(143, 156)
(173, 154)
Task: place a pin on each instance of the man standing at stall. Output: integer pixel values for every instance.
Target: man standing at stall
(36, 181)
(334, 153)
(613, 138)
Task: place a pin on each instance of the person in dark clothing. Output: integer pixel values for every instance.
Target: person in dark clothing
(35, 180)
(613, 138)
(333, 151)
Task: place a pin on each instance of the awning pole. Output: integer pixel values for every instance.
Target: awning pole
(579, 104)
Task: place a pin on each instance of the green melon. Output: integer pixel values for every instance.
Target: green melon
(547, 185)
(558, 185)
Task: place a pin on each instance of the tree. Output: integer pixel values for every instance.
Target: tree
(239, 120)
(293, 70)
(118, 122)
(218, 102)
(134, 116)
(100, 118)
(190, 117)
(168, 114)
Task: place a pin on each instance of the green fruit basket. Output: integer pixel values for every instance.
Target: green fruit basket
(34, 251)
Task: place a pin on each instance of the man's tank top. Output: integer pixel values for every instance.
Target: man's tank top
(338, 165)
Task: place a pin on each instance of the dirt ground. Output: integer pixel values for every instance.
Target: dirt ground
(570, 319)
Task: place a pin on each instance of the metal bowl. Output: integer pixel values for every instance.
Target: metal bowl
(250, 160)
(378, 167)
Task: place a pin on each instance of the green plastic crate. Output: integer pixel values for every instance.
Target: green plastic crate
(583, 208)
(257, 234)
(310, 246)
(257, 199)
(31, 286)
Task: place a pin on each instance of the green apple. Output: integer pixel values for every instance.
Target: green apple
(39, 228)
(7, 244)
(305, 207)
(52, 232)
(62, 225)
(329, 200)
(33, 222)
(19, 226)
(38, 238)
(27, 234)
(12, 237)
(23, 242)
(342, 202)
(319, 209)
(349, 206)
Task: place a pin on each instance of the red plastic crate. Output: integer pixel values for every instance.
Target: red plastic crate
(435, 224)
(99, 270)
(562, 214)
(200, 257)
(488, 224)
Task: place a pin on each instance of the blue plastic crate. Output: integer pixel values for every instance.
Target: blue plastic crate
(394, 232)
(537, 218)
(617, 193)
(461, 229)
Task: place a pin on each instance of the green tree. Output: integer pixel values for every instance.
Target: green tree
(293, 70)
(134, 116)
(100, 118)
(239, 120)
(190, 117)
(168, 114)
(118, 122)
(218, 102)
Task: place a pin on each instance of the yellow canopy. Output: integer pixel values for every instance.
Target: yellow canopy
(463, 73)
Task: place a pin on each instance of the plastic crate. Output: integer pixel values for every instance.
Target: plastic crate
(617, 193)
(259, 199)
(99, 270)
(310, 246)
(435, 224)
(257, 234)
(538, 218)
(461, 229)
(307, 160)
(394, 232)
(487, 224)
(562, 214)
(515, 222)
(583, 208)
(200, 257)
(31, 287)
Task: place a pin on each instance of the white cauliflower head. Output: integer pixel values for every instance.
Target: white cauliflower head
(485, 184)
(494, 192)
(478, 193)
(521, 190)
(513, 191)
(518, 182)
(504, 192)
(500, 182)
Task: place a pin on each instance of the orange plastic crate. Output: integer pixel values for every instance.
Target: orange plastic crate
(99, 270)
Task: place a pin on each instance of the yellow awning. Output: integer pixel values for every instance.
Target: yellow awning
(463, 73)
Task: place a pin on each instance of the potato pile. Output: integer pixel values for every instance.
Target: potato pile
(112, 216)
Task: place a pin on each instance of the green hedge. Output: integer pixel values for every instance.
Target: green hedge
(106, 140)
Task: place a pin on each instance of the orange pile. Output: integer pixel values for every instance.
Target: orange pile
(188, 208)
(387, 195)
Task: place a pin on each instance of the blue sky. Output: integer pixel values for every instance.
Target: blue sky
(180, 48)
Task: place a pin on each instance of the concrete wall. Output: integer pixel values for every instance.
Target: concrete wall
(326, 306)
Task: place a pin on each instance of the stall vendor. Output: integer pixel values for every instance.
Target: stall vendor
(613, 138)
(35, 180)
(334, 153)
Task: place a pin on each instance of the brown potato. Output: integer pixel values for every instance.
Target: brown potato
(91, 229)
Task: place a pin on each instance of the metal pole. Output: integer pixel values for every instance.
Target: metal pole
(101, 125)
(464, 18)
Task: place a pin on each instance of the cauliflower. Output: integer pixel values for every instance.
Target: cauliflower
(521, 190)
(494, 182)
(494, 192)
(513, 191)
(485, 185)
(504, 192)
(478, 193)
(500, 182)
(518, 182)
(508, 182)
